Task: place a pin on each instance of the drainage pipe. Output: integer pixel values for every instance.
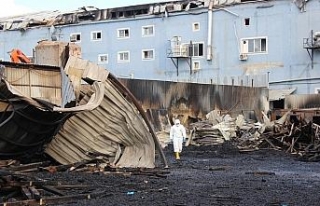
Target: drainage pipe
(209, 40)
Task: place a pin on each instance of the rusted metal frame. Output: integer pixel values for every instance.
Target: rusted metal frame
(31, 66)
(122, 88)
(176, 64)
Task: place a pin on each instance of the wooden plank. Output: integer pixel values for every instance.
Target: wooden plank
(26, 192)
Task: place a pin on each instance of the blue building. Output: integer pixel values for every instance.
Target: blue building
(231, 42)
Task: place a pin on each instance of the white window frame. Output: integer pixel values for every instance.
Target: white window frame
(120, 57)
(124, 30)
(193, 48)
(100, 61)
(196, 66)
(94, 36)
(144, 58)
(75, 34)
(195, 25)
(255, 47)
(146, 28)
(317, 90)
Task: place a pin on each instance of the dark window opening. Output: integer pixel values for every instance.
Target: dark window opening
(278, 104)
(200, 49)
(113, 15)
(247, 21)
(316, 119)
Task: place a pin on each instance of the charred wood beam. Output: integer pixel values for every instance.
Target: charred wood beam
(29, 167)
(57, 200)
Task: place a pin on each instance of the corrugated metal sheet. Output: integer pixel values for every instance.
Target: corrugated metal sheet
(301, 101)
(36, 83)
(275, 95)
(113, 128)
(39, 82)
(196, 100)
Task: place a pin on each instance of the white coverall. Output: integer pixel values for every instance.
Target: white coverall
(177, 135)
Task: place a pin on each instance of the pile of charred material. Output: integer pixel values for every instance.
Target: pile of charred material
(293, 135)
(21, 186)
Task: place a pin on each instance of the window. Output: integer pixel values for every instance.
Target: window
(317, 91)
(148, 30)
(196, 26)
(103, 58)
(123, 56)
(195, 49)
(148, 54)
(195, 66)
(123, 33)
(75, 37)
(247, 21)
(96, 35)
(254, 45)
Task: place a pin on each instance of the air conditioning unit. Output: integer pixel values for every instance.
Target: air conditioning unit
(243, 57)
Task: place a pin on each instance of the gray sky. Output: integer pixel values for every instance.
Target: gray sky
(17, 7)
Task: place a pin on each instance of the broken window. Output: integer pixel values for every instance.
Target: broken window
(123, 56)
(103, 58)
(123, 33)
(254, 45)
(148, 30)
(75, 37)
(148, 54)
(96, 35)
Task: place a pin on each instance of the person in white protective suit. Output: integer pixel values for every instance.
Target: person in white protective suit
(177, 136)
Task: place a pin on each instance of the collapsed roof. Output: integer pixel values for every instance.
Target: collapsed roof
(48, 109)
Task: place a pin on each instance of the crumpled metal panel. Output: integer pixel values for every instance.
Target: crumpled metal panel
(28, 20)
(77, 69)
(35, 83)
(114, 127)
(38, 82)
(26, 123)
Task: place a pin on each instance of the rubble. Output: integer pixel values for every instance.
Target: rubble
(299, 137)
